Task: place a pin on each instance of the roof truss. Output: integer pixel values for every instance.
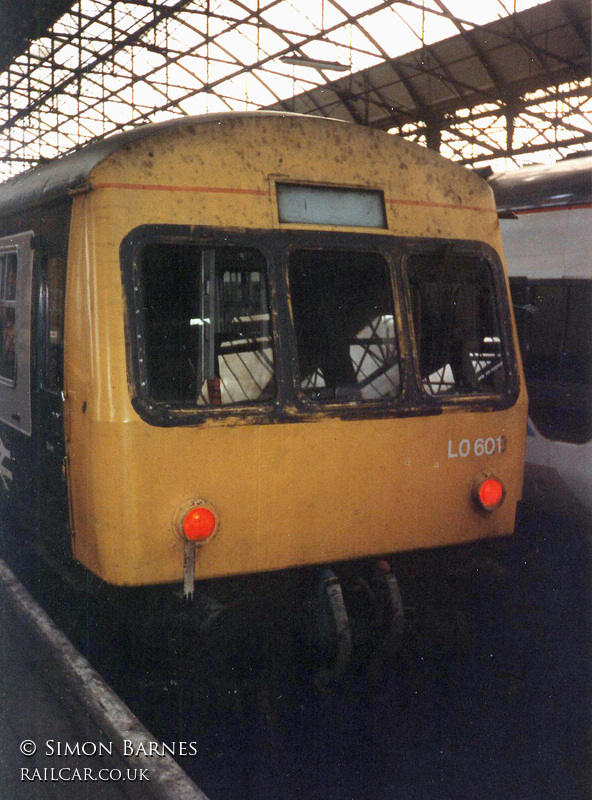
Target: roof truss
(507, 89)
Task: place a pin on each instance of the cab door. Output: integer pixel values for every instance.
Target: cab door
(16, 448)
(52, 503)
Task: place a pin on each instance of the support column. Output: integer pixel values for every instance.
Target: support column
(434, 133)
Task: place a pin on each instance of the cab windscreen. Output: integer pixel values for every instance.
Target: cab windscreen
(456, 322)
(206, 325)
(345, 329)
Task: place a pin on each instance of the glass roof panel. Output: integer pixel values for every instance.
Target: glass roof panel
(109, 65)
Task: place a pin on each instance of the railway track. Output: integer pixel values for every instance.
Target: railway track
(483, 698)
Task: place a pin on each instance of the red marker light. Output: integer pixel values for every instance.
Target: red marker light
(489, 493)
(199, 524)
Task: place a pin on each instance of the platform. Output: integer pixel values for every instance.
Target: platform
(53, 702)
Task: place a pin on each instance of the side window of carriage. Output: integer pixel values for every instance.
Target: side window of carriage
(8, 274)
(52, 302)
(457, 323)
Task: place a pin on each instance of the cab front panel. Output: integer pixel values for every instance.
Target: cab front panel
(294, 479)
(289, 494)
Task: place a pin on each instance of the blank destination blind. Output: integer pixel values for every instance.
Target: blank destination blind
(324, 205)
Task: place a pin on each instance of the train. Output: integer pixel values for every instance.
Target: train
(546, 220)
(257, 346)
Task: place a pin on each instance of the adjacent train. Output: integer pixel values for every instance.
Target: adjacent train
(256, 343)
(547, 232)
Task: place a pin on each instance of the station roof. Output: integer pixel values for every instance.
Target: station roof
(23, 21)
(501, 60)
(494, 92)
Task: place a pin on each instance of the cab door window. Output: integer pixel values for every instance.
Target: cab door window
(8, 266)
(53, 288)
(16, 279)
